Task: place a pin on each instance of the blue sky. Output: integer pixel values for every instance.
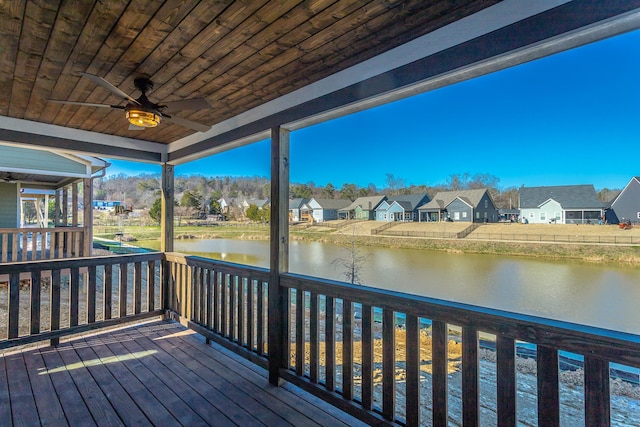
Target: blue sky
(572, 118)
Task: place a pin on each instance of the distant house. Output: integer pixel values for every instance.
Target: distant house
(105, 204)
(362, 208)
(320, 210)
(226, 204)
(626, 206)
(564, 204)
(260, 203)
(461, 205)
(509, 215)
(295, 207)
(401, 208)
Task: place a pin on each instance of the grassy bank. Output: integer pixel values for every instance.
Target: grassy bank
(621, 254)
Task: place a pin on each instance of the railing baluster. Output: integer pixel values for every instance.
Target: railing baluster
(194, 297)
(15, 247)
(233, 307)
(14, 305)
(314, 349)
(36, 292)
(184, 285)
(224, 305)
(251, 320)
(44, 244)
(5, 247)
(122, 295)
(137, 287)
(216, 301)
(506, 380)
(367, 357)
(299, 332)
(440, 375)
(596, 392)
(208, 281)
(55, 304)
(260, 318)
(25, 246)
(188, 295)
(176, 287)
(108, 291)
(330, 344)
(548, 391)
(151, 285)
(202, 318)
(470, 379)
(347, 349)
(74, 297)
(388, 364)
(91, 294)
(241, 300)
(412, 405)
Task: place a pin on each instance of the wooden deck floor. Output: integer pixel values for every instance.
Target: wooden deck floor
(157, 373)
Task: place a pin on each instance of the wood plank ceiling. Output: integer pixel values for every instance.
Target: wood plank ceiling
(236, 54)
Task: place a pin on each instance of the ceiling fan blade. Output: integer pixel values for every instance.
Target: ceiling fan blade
(134, 127)
(85, 104)
(108, 86)
(187, 104)
(186, 123)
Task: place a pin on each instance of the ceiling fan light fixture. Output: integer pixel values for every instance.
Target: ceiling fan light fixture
(142, 118)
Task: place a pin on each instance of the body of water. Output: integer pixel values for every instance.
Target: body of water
(591, 294)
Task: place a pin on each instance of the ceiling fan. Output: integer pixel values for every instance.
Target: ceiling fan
(142, 113)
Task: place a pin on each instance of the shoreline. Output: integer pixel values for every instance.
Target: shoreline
(599, 253)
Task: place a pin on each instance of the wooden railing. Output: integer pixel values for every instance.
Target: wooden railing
(31, 244)
(372, 352)
(42, 300)
(383, 356)
(223, 301)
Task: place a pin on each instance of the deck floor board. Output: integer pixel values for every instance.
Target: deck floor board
(154, 373)
(23, 404)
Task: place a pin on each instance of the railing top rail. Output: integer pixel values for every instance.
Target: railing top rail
(60, 264)
(224, 266)
(582, 339)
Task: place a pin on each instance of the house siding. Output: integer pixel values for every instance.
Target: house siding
(8, 205)
(382, 211)
(460, 211)
(544, 214)
(486, 210)
(627, 205)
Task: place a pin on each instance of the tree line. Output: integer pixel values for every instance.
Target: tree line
(197, 195)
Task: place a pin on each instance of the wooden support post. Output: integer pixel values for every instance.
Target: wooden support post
(166, 222)
(279, 252)
(87, 217)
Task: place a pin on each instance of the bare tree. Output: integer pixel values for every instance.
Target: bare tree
(354, 260)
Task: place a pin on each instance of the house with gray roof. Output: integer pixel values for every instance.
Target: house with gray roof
(260, 203)
(460, 205)
(562, 204)
(362, 208)
(400, 208)
(626, 206)
(295, 206)
(320, 210)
